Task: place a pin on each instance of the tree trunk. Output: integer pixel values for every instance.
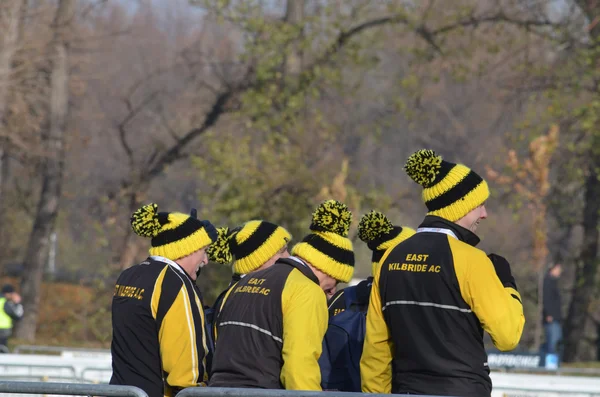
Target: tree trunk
(4, 174)
(52, 173)
(10, 19)
(10, 15)
(294, 14)
(129, 249)
(584, 286)
(585, 276)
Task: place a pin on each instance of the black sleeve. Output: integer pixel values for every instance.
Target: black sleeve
(14, 310)
(502, 268)
(363, 293)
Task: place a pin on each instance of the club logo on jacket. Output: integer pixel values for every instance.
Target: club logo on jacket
(127, 291)
(419, 267)
(254, 287)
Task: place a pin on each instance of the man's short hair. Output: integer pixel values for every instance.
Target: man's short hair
(7, 288)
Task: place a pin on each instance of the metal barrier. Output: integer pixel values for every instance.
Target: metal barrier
(512, 385)
(70, 389)
(237, 392)
(85, 373)
(47, 367)
(557, 371)
(55, 349)
(96, 370)
(44, 378)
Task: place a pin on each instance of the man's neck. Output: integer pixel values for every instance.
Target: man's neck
(462, 233)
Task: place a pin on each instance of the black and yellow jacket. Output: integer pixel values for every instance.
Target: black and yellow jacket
(270, 330)
(433, 296)
(159, 343)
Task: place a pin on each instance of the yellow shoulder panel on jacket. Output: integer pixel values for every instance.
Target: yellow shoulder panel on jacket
(499, 309)
(305, 319)
(177, 336)
(376, 359)
(157, 291)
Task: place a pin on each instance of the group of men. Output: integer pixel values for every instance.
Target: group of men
(431, 296)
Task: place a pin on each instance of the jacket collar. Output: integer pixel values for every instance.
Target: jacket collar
(174, 265)
(301, 265)
(461, 233)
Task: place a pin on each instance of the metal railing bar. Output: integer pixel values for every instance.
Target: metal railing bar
(37, 366)
(525, 389)
(103, 369)
(237, 392)
(558, 371)
(57, 349)
(45, 378)
(71, 389)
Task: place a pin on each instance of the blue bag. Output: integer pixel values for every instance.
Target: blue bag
(343, 345)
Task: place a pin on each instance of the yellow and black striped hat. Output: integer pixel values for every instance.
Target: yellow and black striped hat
(328, 247)
(174, 235)
(251, 244)
(451, 190)
(380, 234)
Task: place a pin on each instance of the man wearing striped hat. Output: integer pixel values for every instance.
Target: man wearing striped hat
(253, 246)
(378, 232)
(271, 324)
(343, 343)
(159, 343)
(436, 293)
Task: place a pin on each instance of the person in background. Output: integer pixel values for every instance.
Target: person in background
(552, 316)
(11, 310)
(159, 339)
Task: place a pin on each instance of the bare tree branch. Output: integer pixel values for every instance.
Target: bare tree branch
(92, 6)
(165, 123)
(175, 152)
(133, 111)
(500, 16)
(219, 106)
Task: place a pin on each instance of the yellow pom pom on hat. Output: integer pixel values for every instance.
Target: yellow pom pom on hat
(250, 245)
(328, 247)
(380, 234)
(450, 190)
(174, 234)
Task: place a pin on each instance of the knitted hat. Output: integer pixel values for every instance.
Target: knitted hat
(328, 248)
(377, 231)
(451, 190)
(252, 245)
(7, 289)
(174, 235)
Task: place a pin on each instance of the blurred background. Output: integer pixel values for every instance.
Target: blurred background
(261, 109)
